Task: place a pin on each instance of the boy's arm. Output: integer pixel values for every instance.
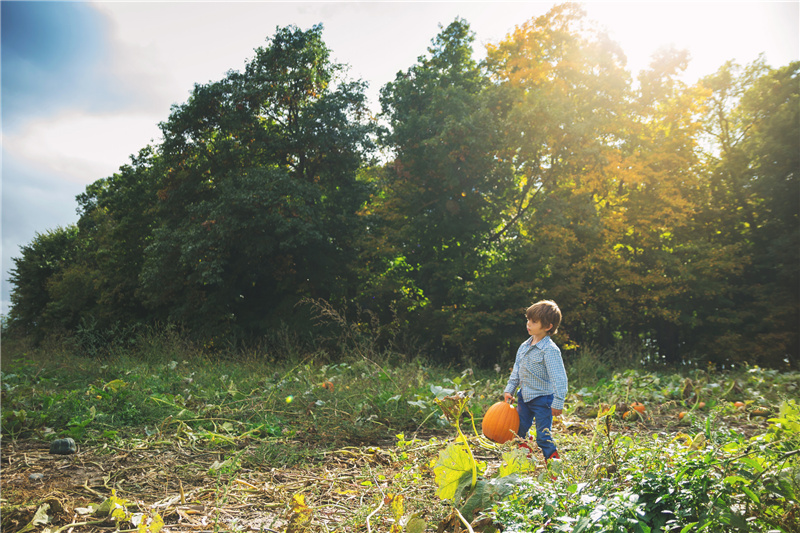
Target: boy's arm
(558, 377)
(513, 380)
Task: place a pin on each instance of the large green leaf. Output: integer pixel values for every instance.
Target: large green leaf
(453, 471)
(515, 462)
(486, 493)
(415, 525)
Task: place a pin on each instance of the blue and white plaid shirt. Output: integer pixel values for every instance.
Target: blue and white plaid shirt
(539, 371)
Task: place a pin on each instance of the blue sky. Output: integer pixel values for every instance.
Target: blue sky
(84, 84)
(43, 46)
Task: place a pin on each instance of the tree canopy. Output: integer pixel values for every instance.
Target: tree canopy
(655, 213)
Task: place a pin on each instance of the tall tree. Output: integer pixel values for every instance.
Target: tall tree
(117, 218)
(753, 123)
(259, 200)
(564, 128)
(439, 197)
(46, 256)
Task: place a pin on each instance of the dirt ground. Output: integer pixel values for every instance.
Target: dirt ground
(345, 490)
(190, 495)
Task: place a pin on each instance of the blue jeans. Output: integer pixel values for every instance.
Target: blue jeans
(537, 409)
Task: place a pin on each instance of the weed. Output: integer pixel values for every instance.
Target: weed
(280, 453)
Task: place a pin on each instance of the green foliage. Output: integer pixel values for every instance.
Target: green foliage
(726, 482)
(754, 124)
(456, 470)
(660, 216)
(172, 390)
(441, 197)
(248, 205)
(713, 480)
(259, 197)
(280, 453)
(48, 255)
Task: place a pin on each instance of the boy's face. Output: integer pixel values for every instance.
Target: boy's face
(536, 329)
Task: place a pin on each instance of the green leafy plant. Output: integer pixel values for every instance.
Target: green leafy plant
(457, 471)
(681, 484)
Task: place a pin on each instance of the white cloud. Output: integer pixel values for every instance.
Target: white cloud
(81, 147)
(180, 44)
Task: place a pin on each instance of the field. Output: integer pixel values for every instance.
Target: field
(172, 439)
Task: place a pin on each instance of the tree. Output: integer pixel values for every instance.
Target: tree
(47, 255)
(565, 124)
(774, 104)
(438, 201)
(753, 126)
(259, 199)
(116, 221)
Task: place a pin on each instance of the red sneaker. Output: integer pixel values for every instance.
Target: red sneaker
(553, 456)
(526, 446)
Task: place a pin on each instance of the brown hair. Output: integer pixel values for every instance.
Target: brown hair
(546, 312)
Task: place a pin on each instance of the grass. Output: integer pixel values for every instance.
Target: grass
(51, 392)
(359, 437)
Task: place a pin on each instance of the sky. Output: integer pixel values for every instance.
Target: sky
(85, 84)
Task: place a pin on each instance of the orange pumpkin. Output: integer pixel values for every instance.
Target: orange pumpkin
(639, 407)
(500, 423)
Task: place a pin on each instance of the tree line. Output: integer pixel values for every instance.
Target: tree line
(656, 213)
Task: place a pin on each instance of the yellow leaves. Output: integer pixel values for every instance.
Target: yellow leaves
(116, 509)
(516, 462)
(698, 442)
(556, 52)
(396, 505)
(152, 525)
(113, 507)
(115, 385)
(300, 516)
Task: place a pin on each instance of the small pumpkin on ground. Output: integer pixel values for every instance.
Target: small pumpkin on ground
(500, 423)
(63, 446)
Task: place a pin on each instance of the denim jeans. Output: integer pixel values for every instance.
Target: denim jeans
(538, 409)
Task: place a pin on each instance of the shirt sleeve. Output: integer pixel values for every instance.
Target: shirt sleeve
(513, 380)
(558, 377)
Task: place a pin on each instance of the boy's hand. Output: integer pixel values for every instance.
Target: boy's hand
(556, 412)
(507, 397)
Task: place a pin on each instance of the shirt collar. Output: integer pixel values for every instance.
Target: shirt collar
(540, 342)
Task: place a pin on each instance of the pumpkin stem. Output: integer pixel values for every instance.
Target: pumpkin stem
(483, 442)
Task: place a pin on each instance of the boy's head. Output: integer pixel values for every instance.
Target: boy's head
(547, 313)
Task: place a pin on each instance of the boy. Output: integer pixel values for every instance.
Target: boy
(540, 376)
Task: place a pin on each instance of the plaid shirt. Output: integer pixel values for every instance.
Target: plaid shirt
(539, 371)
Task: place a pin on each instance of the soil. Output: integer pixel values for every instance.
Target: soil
(336, 490)
(191, 491)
